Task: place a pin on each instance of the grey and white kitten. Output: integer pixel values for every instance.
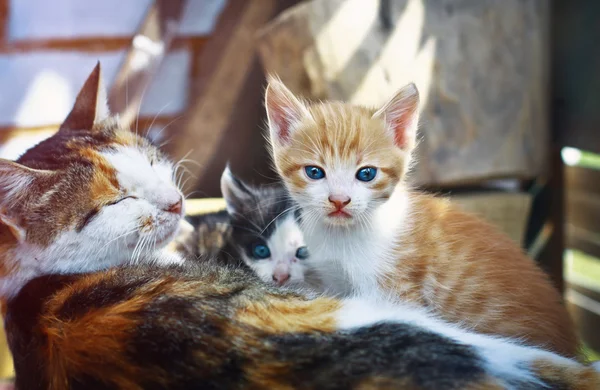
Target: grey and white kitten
(259, 229)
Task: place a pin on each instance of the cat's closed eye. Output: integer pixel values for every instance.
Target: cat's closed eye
(94, 212)
(121, 199)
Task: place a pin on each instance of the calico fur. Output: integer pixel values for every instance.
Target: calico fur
(398, 242)
(215, 327)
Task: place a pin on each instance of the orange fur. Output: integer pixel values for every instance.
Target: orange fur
(470, 273)
(568, 377)
(104, 330)
(445, 259)
(279, 315)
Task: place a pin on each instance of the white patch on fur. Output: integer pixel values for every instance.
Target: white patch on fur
(503, 358)
(352, 259)
(133, 230)
(140, 179)
(283, 243)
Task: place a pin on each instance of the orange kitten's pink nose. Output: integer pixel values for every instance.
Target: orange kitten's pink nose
(175, 208)
(281, 277)
(339, 201)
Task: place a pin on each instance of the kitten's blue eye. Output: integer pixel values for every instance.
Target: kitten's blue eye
(366, 173)
(261, 251)
(314, 173)
(302, 253)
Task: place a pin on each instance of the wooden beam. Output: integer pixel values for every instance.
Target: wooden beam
(4, 13)
(580, 179)
(550, 257)
(583, 210)
(89, 44)
(583, 240)
(225, 65)
(149, 47)
(584, 307)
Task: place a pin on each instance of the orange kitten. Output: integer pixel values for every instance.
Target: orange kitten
(369, 233)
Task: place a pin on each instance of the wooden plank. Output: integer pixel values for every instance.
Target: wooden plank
(584, 307)
(247, 155)
(148, 49)
(228, 60)
(583, 210)
(466, 113)
(583, 240)
(88, 44)
(6, 362)
(551, 197)
(204, 206)
(210, 57)
(4, 14)
(580, 179)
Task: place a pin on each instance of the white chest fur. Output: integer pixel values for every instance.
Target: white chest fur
(352, 260)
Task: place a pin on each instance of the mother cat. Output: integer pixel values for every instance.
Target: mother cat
(96, 196)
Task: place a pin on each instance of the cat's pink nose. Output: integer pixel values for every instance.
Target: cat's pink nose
(175, 208)
(339, 201)
(281, 277)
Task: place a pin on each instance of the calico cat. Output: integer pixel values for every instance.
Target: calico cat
(131, 317)
(259, 229)
(368, 231)
(88, 198)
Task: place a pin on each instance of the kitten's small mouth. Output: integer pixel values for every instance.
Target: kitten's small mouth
(339, 214)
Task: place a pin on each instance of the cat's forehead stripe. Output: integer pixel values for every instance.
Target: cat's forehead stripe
(341, 136)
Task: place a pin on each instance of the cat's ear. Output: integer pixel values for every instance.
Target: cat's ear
(401, 116)
(16, 183)
(90, 105)
(237, 195)
(284, 110)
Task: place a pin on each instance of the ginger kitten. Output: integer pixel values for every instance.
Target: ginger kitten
(80, 316)
(368, 231)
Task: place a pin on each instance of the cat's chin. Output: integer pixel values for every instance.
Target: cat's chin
(338, 220)
(159, 238)
(165, 237)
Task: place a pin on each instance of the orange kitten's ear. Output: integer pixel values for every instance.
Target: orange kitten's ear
(284, 110)
(16, 182)
(401, 115)
(236, 194)
(90, 105)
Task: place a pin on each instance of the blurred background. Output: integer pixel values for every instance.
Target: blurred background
(511, 91)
